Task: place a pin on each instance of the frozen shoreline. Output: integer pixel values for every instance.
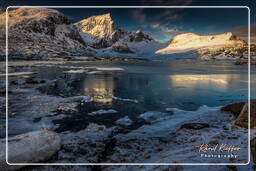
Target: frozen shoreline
(160, 137)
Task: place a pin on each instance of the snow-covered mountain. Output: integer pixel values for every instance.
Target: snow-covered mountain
(40, 33)
(101, 33)
(207, 46)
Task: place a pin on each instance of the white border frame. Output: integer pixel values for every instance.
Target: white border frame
(118, 164)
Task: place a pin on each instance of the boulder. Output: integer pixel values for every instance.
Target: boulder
(32, 147)
(235, 108)
(253, 149)
(194, 126)
(242, 119)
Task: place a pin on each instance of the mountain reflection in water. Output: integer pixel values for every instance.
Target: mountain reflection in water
(157, 86)
(218, 81)
(101, 89)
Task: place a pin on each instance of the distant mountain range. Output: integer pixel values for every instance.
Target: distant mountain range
(39, 33)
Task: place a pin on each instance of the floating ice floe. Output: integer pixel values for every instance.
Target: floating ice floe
(83, 99)
(125, 121)
(17, 74)
(122, 99)
(102, 112)
(75, 71)
(153, 116)
(168, 109)
(109, 69)
(93, 72)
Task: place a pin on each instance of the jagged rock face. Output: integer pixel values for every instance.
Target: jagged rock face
(40, 32)
(35, 20)
(237, 51)
(101, 29)
(139, 36)
(121, 48)
(102, 32)
(209, 46)
(101, 26)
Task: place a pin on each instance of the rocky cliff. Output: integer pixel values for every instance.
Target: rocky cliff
(39, 32)
(101, 32)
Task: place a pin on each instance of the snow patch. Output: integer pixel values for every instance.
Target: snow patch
(102, 112)
(75, 71)
(17, 74)
(123, 99)
(125, 121)
(153, 116)
(109, 69)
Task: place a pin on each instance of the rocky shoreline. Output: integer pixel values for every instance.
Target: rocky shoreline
(153, 136)
(98, 144)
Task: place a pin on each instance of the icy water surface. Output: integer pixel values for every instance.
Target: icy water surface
(132, 88)
(157, 85)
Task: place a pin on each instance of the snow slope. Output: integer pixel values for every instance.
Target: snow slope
(219, 46)
(191, 41)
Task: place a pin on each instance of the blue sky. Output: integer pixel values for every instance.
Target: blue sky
(163, 24)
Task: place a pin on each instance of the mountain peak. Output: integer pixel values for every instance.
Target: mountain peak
(191, 41)
(101, 26)
(106, 15)
(37, 32)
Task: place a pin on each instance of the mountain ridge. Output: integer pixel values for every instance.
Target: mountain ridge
(40, 32)
(221, 46)
(35, 33)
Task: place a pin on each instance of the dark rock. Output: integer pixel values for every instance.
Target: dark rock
(3, 93)
(253, 149)
(242, 119)
(121, 48)
(235, 108)
(140, 36)
(42, 81)
(194, 126)
(31, 81)
(37, 119)
(14, 82)
(244, 62)
(232, 167)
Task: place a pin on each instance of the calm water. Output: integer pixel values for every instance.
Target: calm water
(157, 85)
(186, 85)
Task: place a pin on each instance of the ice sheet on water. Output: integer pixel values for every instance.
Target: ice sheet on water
(124, 99)
(102, 112)
(153, 116)
(17, 74)
(75, 71)
(109, 69)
